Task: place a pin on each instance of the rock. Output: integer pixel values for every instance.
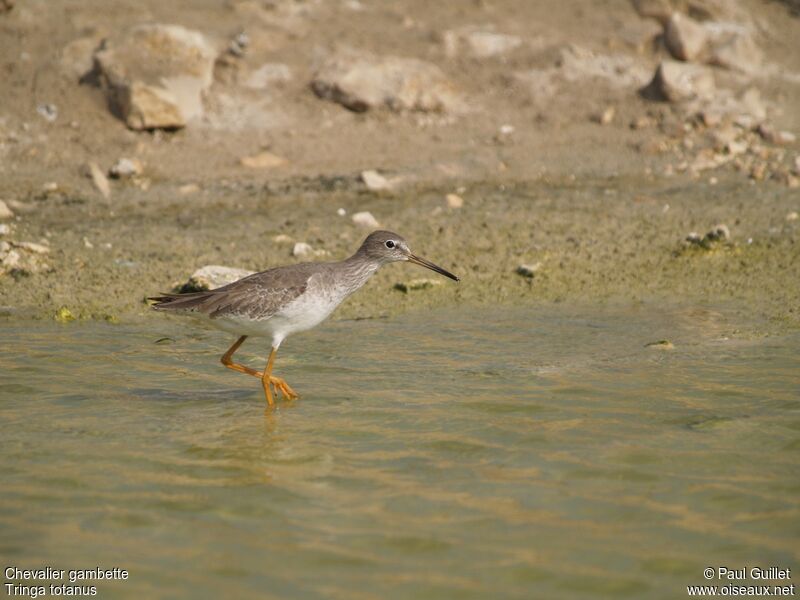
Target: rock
(211, 277)
(51, 187)
(660, 10)
(303, 250)
(375, 181)
(454, 201)
(267, 75)
(282, 238)
(156, 75)
(660, 345)
(362, 81)
(99, 179)
(23, 208)
(49, 112)
(263, 160)
(529, 270)
(676, 82)
(126, 168)
(188, 188)
(5, 229)
(365, 219)
(414, 285)
(779, 138)
(738, 52)
(684, 37)
(792, 216)
(478, 43)
(31, 247)
(720, 233)
(76, 58)
(5, 212)
(605, 117)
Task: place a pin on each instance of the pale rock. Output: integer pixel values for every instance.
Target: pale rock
(99, 179)
(676, 82)
(478, 42)
(773, 136)
(684, 37)
(5, 212)
(738, 52)
(454, 201)
(304, 250)
(211, 277)
(126, 168)
(267, 75)
(605, 117)
(375, 181)
(792, 216)
(282, 238)
(156, 75)
(5, 229)
(365, 219)
(32, 247)
(76, 58)
(363, 81)
(529, 270)
(50, 187)
(22, 208)
(263, 160)
(660, 10)
(188, 188)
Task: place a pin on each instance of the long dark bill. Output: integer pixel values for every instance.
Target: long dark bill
(429, 265)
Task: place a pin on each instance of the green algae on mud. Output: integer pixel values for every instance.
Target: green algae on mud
(598, 240)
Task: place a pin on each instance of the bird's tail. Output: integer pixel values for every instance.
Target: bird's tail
(190, 301)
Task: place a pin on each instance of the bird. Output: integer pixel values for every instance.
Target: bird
(284, 300)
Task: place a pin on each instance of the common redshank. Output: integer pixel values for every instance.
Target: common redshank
(278, 302)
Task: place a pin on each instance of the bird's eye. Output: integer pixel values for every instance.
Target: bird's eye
(389, 244)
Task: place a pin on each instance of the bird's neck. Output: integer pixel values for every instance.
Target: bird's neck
(358, 269)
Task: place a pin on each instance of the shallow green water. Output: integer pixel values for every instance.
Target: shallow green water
(458, 454)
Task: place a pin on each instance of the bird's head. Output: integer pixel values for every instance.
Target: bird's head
(386, 247)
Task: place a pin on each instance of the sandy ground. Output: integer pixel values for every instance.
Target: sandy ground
(602, 209)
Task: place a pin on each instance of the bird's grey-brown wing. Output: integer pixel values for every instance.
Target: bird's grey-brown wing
(257, 296)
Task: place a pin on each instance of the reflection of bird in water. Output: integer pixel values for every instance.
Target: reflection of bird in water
(281, 301)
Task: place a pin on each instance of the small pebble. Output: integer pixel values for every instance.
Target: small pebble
(5, 228)
(792, 216)
(528, 270)
(99, 179)
(375, 181)
(282, 238)
(660, 345)
(302, 250)
(263, 160)
(125, 168)
(5, 212)
(341, 212)
(188, 188)
(48, 111)
(365, 219)
(454, 201)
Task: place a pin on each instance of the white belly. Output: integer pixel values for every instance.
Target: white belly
(302, 313)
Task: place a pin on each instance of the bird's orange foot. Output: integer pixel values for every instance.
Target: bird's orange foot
(284, 388)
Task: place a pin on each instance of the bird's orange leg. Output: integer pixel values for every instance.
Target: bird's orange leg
(227, 359)
(280, 384)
